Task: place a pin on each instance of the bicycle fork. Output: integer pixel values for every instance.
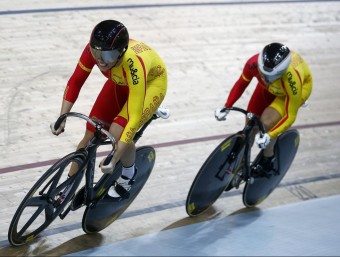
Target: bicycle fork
(76, 181)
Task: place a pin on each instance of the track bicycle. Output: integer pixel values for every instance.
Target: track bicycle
(229, 166)
(45, 200)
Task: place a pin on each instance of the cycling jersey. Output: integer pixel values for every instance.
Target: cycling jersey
(134, 90)
(285, 94)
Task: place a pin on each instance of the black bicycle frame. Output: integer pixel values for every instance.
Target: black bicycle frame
(91, 150)
(252, 122)
(247, 151)
(90, 167)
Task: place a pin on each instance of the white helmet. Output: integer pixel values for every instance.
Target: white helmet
(273, 60)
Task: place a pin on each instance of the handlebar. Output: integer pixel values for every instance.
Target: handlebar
(250, 116)
(94, 124)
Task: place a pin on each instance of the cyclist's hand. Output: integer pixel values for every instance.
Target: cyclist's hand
(60, 130)
(106, 169)
(263, 141)
(220, 114)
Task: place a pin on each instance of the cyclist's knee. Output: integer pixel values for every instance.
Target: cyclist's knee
(116, 130)
(269, 118)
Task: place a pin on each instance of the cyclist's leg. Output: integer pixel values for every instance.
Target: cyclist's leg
(259, 101)
(155, 93)
(274, 113)
(270, 117)
(116, 129)
(87, 137)
(306, 88)
(126, 154)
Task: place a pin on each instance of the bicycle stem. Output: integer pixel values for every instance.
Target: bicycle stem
(251, 117)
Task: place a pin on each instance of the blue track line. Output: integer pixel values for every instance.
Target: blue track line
(138, 6)
(175, 204)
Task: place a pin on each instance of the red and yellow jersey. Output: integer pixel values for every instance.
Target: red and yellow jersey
(139, 65)
(294, 87)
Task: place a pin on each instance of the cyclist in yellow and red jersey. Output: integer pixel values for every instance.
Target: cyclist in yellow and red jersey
(136, 86)
(284, 85)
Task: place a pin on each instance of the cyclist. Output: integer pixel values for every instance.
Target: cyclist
(284, 85)
(135, 87)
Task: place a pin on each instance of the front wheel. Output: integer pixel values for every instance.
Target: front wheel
(215, 174)
(43, 203)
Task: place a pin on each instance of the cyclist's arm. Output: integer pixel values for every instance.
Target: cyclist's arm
(292, 85)
(78, 78)
(237, 90)
(66, 107)
(249, 71)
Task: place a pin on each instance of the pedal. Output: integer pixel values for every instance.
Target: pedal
(259, 172)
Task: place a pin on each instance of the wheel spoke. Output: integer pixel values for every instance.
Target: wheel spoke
(31, 220)
(39, 207)
(56, 179)
(37, 201)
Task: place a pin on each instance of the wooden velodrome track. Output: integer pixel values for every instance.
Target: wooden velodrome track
(204, 45)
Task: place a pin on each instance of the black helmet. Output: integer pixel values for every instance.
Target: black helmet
(109, 41)
(273, 60)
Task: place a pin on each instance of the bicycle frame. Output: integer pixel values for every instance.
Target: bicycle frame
(50, 195)
(229, 165)
(253, 122)
(91, 150)
(90, 167)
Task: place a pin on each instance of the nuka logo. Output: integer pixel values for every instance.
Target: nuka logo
(225, 145)
(100, 191)
(135, 78)
(297, 141)
(292, 83)
(30, 238)
(191, 207)
(151, 156)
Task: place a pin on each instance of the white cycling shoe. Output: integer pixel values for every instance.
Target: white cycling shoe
(305, 104)
(122, 187)
(123, 182)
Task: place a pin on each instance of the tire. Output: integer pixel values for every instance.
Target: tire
(26, 223)
(285, 150)
(99, 216)
(215, 175)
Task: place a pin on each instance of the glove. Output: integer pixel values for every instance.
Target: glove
(221, 115)
(106, 169)
(263, 141)
(60, 130)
